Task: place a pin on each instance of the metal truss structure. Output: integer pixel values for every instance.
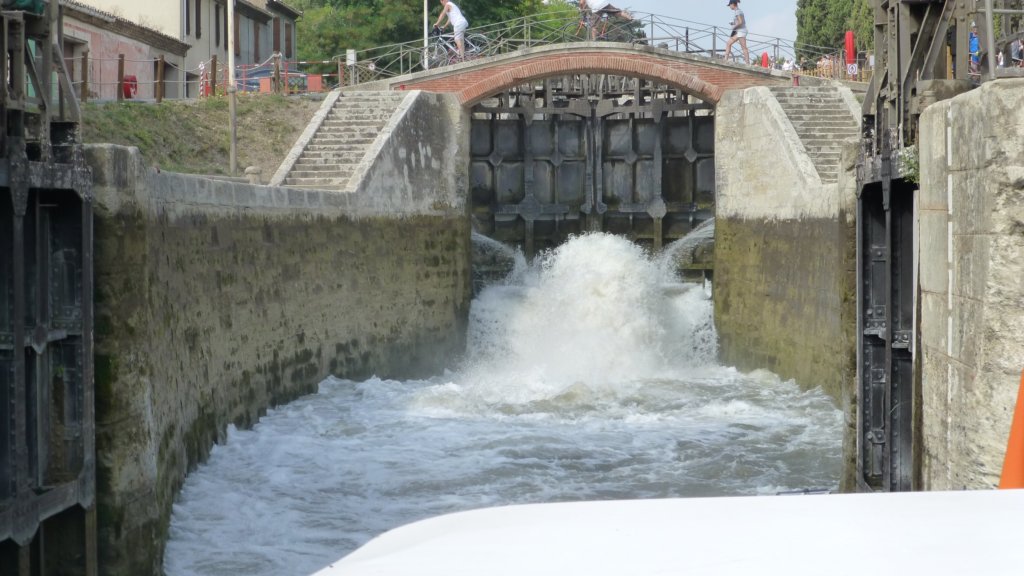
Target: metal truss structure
(923, 54)
(47, 431)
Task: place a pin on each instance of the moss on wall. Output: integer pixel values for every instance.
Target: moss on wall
(216, 301)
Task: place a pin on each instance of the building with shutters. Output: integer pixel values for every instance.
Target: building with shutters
(262, 28)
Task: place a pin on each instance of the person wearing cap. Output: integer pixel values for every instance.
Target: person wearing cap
(739, 32)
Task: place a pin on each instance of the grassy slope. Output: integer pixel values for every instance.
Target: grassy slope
(194, 136)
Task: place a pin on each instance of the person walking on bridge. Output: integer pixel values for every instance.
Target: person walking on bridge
(739, 32)
(458, 22)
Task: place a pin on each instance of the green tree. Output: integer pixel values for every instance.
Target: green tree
(821, 25)
(329, 27)
(862, 22)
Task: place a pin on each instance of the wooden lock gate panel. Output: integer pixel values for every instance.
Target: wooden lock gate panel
(569, 154)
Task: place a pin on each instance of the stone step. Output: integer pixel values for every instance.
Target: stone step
(824, 150)
(828, 138)
(834, 138)
(826, 122)
(327, 170)
(324, 149)
(350, 157)
(371, 99)
(374, 95)
(824, 161)
(833, 96)
(329, 187)
(375, 116)
(355, 121)
(314, 174)
(378, 113)
(811, 97)
(340, 134)
(343, 139)
(328, 183)
(348, 129)
(321, 155)
(326, 166)
(802, 89)
(346, 137)
(338, 143)
(811, 109)
(312, 169)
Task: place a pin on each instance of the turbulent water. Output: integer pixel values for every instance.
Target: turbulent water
(589, 375)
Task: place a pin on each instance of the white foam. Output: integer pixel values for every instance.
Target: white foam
(587, 378)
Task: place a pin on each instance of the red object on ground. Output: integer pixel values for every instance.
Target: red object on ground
(131, 86)
(851, 48)
(764, 60)
(1013, 463)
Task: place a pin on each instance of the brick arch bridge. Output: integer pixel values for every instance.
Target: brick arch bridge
(549, 162)
(699, 76)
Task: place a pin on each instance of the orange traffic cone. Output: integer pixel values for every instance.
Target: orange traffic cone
(1013, 464)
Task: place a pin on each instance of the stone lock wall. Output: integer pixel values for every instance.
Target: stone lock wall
(216, 300)
(785, 254)
(971, 280)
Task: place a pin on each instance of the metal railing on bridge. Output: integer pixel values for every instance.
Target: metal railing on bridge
(674, 34)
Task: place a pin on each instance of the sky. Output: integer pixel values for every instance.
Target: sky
(775, 18)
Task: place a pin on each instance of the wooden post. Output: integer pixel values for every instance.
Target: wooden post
(120, 77)
(213, 75)
(85, 76)
(277, 73)
(160, 79)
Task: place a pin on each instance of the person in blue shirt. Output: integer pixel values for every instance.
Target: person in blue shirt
(974, 44)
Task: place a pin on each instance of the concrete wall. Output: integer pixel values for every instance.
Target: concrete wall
(216, 300)
(785, 256)
(971, 263)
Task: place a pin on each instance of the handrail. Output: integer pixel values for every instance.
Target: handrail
(679, 35)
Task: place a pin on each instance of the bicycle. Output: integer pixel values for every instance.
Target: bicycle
(444, 51)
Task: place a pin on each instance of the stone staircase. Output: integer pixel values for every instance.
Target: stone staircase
(342, 140)
(822, 119)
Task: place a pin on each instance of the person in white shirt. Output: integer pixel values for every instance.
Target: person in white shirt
(459, 23)
(739, 32)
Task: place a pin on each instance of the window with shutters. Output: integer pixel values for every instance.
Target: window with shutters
(256, 43)
(199, 19)
(287, 39)
(216, 25)
(188, 17)
(238, 26)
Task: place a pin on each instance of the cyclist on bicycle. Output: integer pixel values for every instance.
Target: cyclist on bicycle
(458, 22)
